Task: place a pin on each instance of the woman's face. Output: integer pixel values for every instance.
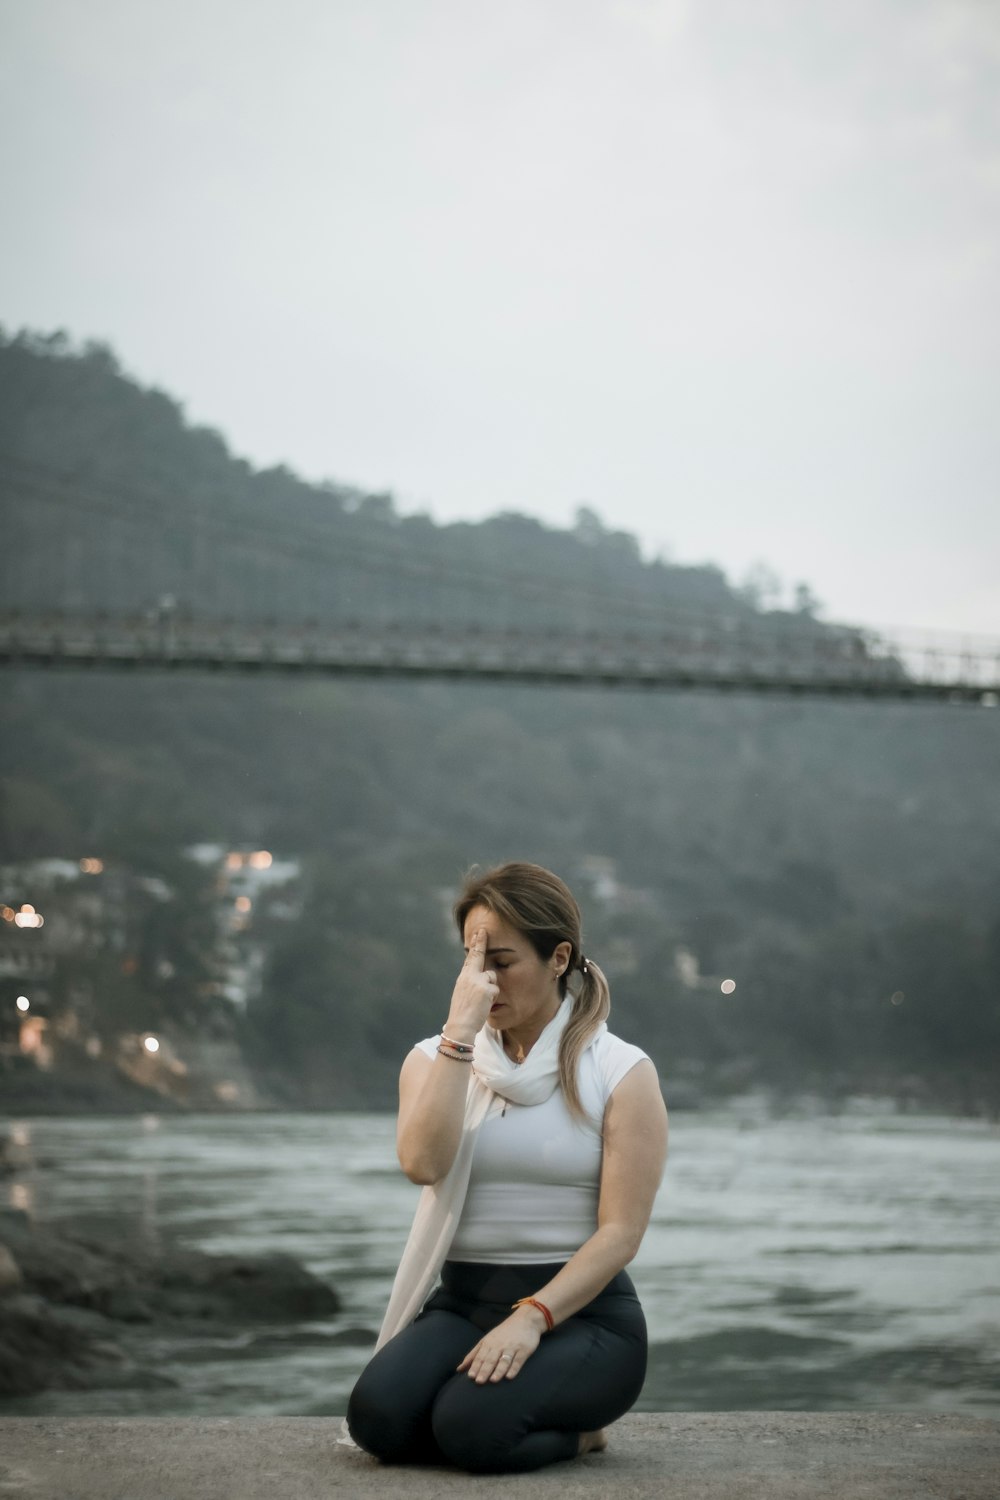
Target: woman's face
(529, 988)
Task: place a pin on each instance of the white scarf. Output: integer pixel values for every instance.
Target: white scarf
(494, 1079)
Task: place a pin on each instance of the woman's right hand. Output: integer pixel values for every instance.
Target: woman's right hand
(474, 993)
(433, 1092)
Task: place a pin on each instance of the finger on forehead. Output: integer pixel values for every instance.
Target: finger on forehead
(476, 956)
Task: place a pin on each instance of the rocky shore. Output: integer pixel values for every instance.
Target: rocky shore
(78, 1311)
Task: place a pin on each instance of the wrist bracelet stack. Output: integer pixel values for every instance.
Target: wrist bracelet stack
(457, 1051)
(534, 1302)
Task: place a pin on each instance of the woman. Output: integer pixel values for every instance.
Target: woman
(540, 1139)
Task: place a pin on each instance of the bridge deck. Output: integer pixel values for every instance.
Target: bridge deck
(715, 655)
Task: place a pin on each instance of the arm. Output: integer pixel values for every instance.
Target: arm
(432, 1093)
(635, 1150)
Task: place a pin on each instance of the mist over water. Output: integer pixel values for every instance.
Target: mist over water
(814, 1261)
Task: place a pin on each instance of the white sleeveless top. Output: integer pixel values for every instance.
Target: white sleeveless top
(536, 1171)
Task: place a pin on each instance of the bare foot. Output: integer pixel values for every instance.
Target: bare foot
(593, 1442)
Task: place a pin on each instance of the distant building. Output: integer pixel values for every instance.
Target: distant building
(244, 877)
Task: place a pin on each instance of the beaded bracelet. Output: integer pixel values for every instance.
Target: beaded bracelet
(455, 1056)
(534, 1302)
(458, 1046)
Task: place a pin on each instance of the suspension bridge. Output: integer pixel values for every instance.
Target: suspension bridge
(709, 655)
(377, 609)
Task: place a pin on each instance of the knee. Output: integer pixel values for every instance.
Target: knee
(381, 1426)
(466, 1436)
(472, 1452)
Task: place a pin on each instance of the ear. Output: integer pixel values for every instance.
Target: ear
(561, 955)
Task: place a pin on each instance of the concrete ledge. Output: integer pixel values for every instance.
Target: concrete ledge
(682, 1456)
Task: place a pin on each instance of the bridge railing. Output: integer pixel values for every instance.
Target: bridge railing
(770, 653)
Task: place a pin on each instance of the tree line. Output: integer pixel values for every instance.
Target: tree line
(837, 861)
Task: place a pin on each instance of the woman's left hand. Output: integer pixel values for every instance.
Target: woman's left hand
(500, 1354)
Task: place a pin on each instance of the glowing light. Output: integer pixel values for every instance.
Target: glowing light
(151, 1044)
(7, 912)
(897, 997)
(234, 861)
(243, 903)
(92, 866)
(260, 860)
(22, 1002)
(728, 986)
(28, 917)
(26, 906)
(33, 1035)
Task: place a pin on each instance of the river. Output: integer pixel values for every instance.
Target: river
(809, 1261)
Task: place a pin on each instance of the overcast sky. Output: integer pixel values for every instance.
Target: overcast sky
(724, 270)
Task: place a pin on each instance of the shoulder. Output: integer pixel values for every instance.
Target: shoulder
(417, 1063)
(612, 1058)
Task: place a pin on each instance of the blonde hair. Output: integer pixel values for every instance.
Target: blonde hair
(542, 908)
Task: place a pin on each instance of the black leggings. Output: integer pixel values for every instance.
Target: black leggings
(410, 1405)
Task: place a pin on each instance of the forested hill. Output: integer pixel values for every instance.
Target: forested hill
(839, 861)
(122, 502)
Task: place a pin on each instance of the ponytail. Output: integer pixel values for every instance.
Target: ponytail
(591, 1006)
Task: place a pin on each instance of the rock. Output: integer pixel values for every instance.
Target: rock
(83, 1320)
(40, 1348)
(136, 1285)
(64, 1294)
(266, 1288)
(61, 1268)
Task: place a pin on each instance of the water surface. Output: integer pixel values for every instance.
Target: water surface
(815, 1261)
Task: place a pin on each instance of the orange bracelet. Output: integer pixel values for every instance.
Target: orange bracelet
(534, 1302)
